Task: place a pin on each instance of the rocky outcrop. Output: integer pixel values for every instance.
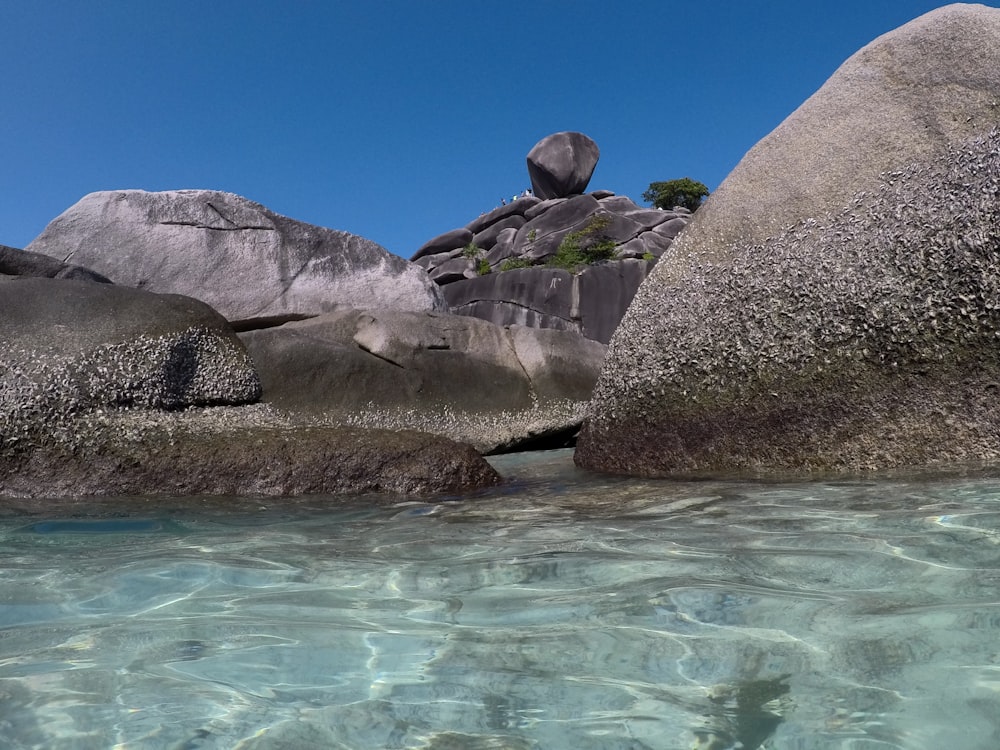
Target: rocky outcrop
(204, 456)
(864, 335)
(562, 164)
(99, 386)
(496, 388)
(590, 302)
(606, 239)
(80, 345)
(14, 262)
(246, 261)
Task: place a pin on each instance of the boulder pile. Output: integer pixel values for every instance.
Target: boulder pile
(557, 258)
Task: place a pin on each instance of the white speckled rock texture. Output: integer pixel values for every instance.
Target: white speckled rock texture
(238, 256)
(835, 305)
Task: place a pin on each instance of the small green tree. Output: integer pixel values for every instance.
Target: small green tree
(683, 192)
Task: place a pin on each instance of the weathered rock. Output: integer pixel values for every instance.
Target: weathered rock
(590, 303)
(72, 346)
(562, 164)
(540, 236)
(487, 238)
(862, 340)
(515, 208)
(902, 98)
(236, 255)
(556, 233)
(441, 373)
(503, 249)
(444, 243)
(458, 268)
(262, 460)
(14, 262)
(865, 335)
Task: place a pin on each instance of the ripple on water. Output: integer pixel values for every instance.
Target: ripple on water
(565, 610)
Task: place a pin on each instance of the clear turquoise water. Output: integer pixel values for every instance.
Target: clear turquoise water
(565, 611)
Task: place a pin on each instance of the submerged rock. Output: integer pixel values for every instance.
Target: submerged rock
(197, 456)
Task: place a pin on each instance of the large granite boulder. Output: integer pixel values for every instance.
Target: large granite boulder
(14, 262)
(241, 258)
(864, 335)
(562, 164)
(493, 387)
(904, 97)
(71, 347)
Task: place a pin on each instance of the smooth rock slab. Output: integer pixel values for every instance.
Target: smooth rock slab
(241, 258)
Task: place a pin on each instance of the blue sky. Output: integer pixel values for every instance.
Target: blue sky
(396, 120)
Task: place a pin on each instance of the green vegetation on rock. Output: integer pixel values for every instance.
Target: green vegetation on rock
(514, 263)
(584, 246)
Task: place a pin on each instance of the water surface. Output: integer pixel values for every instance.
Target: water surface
(564, 611)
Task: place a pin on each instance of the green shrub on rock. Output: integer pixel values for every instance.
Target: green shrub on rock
(585, 246)
(684, 192)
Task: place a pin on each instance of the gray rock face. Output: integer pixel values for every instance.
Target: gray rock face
(14, 262)
(529, 232)
(859, 340)
(74, 346)
(590, 303)
(562, 164)
(490, 386)
(242, 259)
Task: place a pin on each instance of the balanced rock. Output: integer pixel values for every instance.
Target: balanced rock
(241, 258)
(861, 336)
(562, 164)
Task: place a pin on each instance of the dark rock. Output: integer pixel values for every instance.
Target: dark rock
(671, 228)
(650, 217)
(456, 269)
(533, 239)
(236, 255)
(601, 194)
(454, 375)
(515, 208)
(487, 238)
(604, 292)
(14, 262)
(590, 302)
(72, 347)
(456, 239)
(540, 208)
(504, 247)
(266, 461)
(618, 204)
(433, 261)
(561, 165)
